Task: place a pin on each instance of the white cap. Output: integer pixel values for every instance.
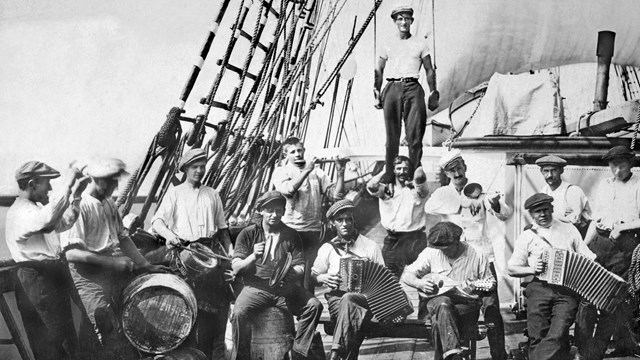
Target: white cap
(449, 158)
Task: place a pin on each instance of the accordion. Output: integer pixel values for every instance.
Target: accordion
(387, 301)
(589, 279)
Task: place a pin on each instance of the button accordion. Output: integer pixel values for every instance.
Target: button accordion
(387, 301)
(589, 279)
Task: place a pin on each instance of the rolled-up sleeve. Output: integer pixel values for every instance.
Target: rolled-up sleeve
(281, 181)
(321, 264)
(520, 256)
(422, 265)
(166, 209)
(75, 235)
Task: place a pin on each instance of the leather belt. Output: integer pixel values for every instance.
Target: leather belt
(404, 79)
(391, 232)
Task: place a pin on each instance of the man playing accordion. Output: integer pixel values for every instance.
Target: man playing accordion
(551, 309)
(349, 310)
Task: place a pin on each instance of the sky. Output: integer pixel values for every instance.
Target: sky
(80, 78)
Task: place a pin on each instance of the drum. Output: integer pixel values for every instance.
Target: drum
(196, 264)
(158, 312)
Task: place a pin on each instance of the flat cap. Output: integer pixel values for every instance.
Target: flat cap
(443, 234)
(619, 152)
(551, 160)
(401, 9)
(191, 156)
(536, 200)
(339, 206)
(36, 169)
(449, 158)
(104, 168)
(269, 197)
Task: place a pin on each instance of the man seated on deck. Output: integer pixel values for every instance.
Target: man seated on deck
(450, 203)
(193, 212)
(259, 248)
(101, 259)
(33, 223)
(551, 309)
(570, 203)
(401, 213)
(455, 262)
(350, 311)
(304, 185)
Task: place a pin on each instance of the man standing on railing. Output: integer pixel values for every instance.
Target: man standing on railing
(304, 185)
(470, 213)
(193, 212)
(102, 257)
(32, 226)
(403, 97)
(350, 311)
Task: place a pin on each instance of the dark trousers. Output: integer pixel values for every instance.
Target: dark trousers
(350, 312)
(43, 299)
(402, 248)
(593, 345)
(615, 255)
(447, 320)
(100, 335)
(494, 322)
(209, 331)
(551, 311)
(404, 101)
(298, 301)
(310, 246)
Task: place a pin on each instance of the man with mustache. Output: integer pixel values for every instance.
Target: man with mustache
(450, 203)
(613, 235)
(304, 185)
(349, 311)
(401, 213)
(551, 309)
(403, 98)
(192, 212)
(570, 203)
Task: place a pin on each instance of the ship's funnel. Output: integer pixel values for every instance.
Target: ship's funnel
(604, 51)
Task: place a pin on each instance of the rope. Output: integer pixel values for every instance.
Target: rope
(634, 275)
(635, 130)
(433, 31)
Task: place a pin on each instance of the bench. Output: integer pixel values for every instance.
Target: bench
(412, 327)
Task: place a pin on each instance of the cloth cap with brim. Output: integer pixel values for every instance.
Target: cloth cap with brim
(619, 152)
(36, 169)
(551, 160)
(269, 197)
(401, 9)
(449, 159)
(536, 200)
(339, 206)
(106, 168)
(443, 235)
(190, 157)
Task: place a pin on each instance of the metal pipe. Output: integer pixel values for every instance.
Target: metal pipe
(604, 51)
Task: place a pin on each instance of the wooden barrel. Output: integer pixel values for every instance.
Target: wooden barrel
(272, 333)
(158, 312)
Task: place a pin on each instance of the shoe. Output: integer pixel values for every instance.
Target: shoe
(454, 357)
(334, 355)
